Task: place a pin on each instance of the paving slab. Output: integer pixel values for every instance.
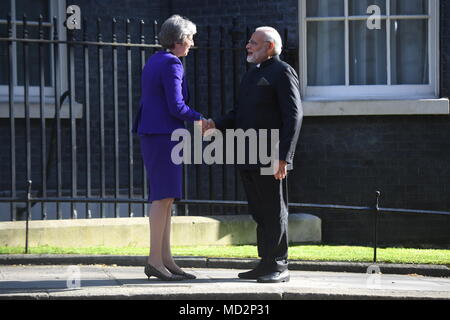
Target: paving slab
(118, 282)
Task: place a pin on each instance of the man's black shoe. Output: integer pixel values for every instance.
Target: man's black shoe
(275, 277)
(252, 274)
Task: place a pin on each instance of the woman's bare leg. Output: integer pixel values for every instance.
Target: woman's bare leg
(166, 250)
(158, 218)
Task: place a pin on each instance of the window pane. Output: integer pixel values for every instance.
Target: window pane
(406, 7)
(325, 8)
(409, 52)
(368, 54)
(326, 53)
(359, 7)
(3, 56)
(33, 57)
(32, 9)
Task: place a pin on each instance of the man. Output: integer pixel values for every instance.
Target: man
(269, 98)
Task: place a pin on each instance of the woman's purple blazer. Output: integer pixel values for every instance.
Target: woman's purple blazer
(164, 96)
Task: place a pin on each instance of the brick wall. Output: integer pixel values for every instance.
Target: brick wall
(278, 14)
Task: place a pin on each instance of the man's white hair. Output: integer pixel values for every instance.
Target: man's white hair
(272, 35)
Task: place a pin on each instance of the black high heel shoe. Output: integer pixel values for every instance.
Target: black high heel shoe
(152, 271)
(186, 275)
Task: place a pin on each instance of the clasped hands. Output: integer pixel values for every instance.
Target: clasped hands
(207, 124)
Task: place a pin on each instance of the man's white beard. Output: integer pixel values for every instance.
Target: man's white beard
(250, 59)
(255, 57)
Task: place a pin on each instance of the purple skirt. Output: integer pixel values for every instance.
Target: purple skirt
(165, 179)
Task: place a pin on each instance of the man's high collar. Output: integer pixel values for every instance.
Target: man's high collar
(268, 62)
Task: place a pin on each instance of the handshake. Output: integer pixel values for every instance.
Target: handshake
(207, 124)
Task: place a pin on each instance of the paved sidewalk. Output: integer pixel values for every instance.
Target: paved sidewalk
(224, 263)
(112, 282)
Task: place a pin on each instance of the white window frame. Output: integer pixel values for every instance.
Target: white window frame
(370, 92)
(58, 9)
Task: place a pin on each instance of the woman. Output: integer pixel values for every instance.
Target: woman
(163, 110)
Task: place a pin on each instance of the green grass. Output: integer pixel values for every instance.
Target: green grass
(303, 252)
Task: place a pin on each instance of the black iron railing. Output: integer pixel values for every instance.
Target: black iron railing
(375, 210)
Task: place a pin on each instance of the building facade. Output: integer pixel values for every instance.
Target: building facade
(374, 81)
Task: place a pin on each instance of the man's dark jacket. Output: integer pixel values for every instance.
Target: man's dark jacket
(269, 98)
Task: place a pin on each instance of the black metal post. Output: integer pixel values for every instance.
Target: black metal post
(209, 109)
(87, 116)
(58, 103)
(116, 117)
(26, 88)
(375, 225)
(144, 173)
(43, 125)
(222, 106)
(155, 32)
(28, 202)
(236, 37)
(12, 117)
(142, 38)
(73, 134)
(130, 120)
(102, 118)
(198, 182)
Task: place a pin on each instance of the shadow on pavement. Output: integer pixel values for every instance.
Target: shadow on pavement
(7, 287)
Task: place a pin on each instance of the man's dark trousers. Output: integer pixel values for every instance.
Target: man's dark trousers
(267, 199)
